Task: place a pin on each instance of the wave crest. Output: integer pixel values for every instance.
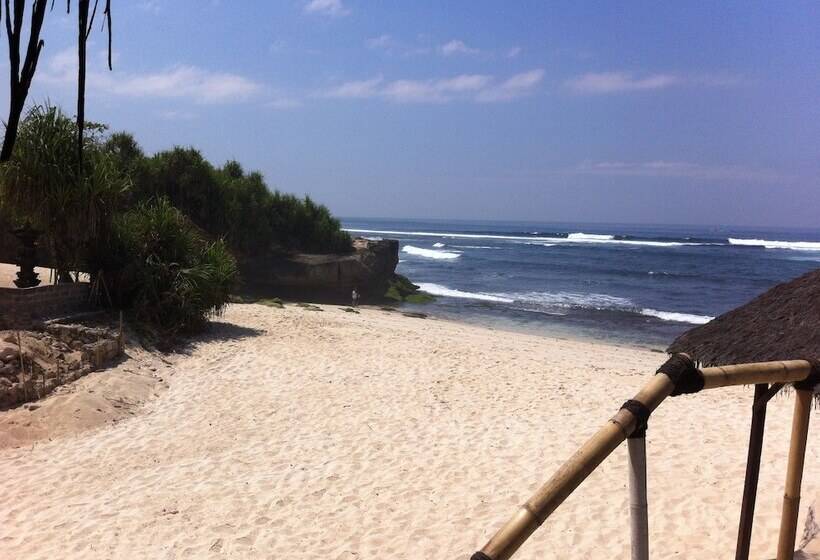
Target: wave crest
(570, 238)
(677, 317)
(429, 253)
(590, 237)
(444, 291)
(765, 243)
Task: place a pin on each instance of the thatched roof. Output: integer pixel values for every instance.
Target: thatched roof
(781, 324)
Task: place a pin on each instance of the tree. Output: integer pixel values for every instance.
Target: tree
(21, 77)
(43, 183)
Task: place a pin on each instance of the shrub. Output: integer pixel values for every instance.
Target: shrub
(173, 278)
(45, 184)
(229, 203)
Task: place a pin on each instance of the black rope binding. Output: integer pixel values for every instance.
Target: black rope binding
(813, 380)
(480, 556)
(683, 373)
(641, 413)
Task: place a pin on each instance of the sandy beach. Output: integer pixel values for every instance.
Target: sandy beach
(295, 433)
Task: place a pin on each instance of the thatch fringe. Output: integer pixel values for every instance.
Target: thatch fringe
(781, 324)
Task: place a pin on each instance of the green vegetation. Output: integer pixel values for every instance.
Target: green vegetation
(174, 278)
(419, 297)
(401, 289)
(229, 203)
(44, 182)
(162, 231)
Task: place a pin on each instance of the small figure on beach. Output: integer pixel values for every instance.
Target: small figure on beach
(354, 296)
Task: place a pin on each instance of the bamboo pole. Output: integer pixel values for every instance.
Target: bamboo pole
(747, 508)
(578, 467)
(638, 509)
(794, 474)
(752, 374)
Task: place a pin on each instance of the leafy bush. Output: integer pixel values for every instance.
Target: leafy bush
(45, 183)
(230, 203)
(173, 278)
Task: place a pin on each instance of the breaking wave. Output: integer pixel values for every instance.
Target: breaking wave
(429, 253)
(793, 245)
(444, 291)
(677, 317)
(581, 238)
(556, 303)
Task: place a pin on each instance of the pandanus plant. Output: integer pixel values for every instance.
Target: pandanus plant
(44, 183)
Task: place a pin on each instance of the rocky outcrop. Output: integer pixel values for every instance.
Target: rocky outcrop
(368, 269)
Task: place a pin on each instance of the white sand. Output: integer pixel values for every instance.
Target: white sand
(373, 436)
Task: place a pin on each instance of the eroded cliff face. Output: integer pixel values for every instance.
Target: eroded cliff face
(332, 278)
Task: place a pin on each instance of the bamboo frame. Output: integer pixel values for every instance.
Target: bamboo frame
(794, 474)
(591, 454)
(638, 507)
(747, 508)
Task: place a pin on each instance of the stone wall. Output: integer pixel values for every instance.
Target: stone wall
(34, 363)
(19, 308)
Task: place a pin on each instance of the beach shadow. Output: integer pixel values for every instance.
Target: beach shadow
(216, 331)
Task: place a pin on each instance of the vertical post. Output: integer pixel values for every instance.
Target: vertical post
(747, 509)
(794, 474)
(120, 339)
(638, 515)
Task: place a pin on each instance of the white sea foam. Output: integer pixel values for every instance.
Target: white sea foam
(474, 247)
(429, 253)
(444, 291)
(438, 245)
(677, 317)
(590, 237)
(793, 245)
(547, 302)
(585, 239)
(552, 302)
(571, 299)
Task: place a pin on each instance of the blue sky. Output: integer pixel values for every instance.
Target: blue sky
(650, 112)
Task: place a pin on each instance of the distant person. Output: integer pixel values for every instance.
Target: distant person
(354, 296)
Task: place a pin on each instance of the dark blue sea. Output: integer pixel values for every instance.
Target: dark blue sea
(623, 283)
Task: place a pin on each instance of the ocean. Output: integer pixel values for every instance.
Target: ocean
(635, 284)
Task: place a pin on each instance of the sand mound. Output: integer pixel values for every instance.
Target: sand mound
(102, 397)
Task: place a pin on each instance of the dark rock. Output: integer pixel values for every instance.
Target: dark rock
(325, 278)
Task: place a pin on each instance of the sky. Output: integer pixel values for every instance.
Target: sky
(634, 112)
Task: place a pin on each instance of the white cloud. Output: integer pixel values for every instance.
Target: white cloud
(384, 41)
(679, 169)
(356, 89)
(332, 8)
(616, 82)
(200, 85)
(191, 82)
(475, 87)
(514, 52)
(622, 82)
(456, 47)
(516, 86)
